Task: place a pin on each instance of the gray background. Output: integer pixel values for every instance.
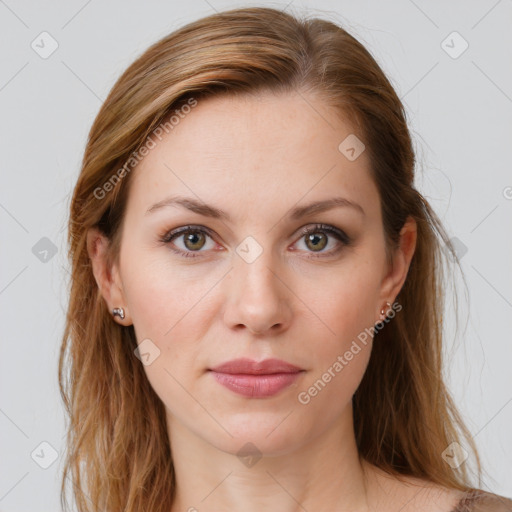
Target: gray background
(459, 107)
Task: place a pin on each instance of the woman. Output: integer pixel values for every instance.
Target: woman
(256, 297)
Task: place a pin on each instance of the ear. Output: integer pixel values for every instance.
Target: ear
(392, 283)
(107, 279)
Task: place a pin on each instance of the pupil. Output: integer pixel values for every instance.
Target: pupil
(317, 241)
(193, 238)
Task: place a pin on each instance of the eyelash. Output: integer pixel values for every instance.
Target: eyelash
(322, 228)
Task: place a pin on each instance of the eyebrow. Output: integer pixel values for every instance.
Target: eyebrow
(294, 214)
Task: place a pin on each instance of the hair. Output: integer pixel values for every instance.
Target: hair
(118, 452)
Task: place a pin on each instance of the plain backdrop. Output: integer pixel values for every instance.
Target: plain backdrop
(450, 63)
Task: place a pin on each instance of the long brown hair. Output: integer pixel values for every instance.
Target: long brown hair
(118, 454)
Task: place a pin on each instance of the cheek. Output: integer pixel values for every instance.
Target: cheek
(344, 301)
(165, 308)
(160, 294)
(171, 305)
(340, 345)
(329, 391)
(150, 299)
(338, 357)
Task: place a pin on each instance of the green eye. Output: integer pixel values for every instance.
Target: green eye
(316, 237)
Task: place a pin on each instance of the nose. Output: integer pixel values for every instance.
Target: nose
(257, 297)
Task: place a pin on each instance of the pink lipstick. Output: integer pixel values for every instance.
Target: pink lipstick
(256, 379)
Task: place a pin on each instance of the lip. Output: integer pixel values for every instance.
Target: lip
(251, 367)
(256, 379)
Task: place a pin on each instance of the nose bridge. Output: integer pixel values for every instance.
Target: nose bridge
(254, 270)
(257, 275)
(256, 296)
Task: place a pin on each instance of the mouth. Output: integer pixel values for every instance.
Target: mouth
(256, 379)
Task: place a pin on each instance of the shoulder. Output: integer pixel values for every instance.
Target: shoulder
(418, 495)
(411, 494)
(478, 500)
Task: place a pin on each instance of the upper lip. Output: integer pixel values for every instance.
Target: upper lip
(251, 367)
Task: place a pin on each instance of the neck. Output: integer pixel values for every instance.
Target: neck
(324, 474)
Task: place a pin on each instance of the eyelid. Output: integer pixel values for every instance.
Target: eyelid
(173, 233)
(330, 230)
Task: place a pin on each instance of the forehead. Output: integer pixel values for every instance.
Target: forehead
(254, 153)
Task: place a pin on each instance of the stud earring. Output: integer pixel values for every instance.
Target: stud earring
(118, 312)
(383, 312)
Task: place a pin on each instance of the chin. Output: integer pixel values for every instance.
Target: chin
(262, 432)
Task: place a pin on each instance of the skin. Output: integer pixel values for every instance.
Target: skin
(256, 158)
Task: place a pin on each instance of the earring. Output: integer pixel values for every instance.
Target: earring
(382, 312)
(118, 312)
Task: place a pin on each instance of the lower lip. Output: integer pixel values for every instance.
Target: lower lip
(256, 386)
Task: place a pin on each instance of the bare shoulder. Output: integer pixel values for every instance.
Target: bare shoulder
(424, 496)
(421, 495)
(410, 494)
(478, 500)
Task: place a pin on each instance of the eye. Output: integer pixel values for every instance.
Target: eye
(195, 238)
(316, 238)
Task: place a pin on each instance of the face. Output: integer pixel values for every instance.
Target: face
(205, 290)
